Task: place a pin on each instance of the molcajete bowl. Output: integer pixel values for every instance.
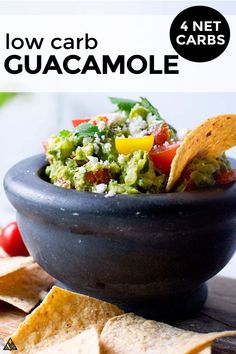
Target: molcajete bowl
(151, 254)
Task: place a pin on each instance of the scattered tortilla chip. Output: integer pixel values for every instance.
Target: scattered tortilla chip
(130, 334)
(211, 138)
(61, 316)
(10, 318)
(22, 288)
(86, 342)
(12, 264)
(204, 351)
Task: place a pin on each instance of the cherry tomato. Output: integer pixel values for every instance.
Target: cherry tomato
(101, 176)
(161, 134)
(226, 177)
(11, 241)
(79, 121)
(162, 156)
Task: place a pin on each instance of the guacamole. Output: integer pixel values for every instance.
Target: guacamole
(126, 152)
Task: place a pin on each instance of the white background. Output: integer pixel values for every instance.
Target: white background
(126, 35)
(29, 119)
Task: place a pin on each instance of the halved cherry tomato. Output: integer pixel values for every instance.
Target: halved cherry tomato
(162, 156)
(11, 241)
(79, 121)
(101, 176)
(226, 177)
(161, 134)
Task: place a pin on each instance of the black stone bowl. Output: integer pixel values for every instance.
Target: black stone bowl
(151, 254)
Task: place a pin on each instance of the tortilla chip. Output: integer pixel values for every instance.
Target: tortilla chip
(204, 351)
(86, 342)
(12, 264)
(22, 288)
(10, 318)
(61, 316)
(211, 138)
(130, 334)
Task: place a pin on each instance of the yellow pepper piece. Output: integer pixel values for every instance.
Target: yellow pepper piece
(127, 145)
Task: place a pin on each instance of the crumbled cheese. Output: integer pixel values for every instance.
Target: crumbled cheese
(97, 139)
(106, 163)
(151, 118)
(121, 158)
(137, 127)
(82, 170)
(100, 188)
(101, 125)
(96, 148)
(87, 140)
(152, 121)
(115, 118)
(107, 146)
(110, 194)
(93, 160)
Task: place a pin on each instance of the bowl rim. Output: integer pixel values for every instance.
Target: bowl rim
(23, 181)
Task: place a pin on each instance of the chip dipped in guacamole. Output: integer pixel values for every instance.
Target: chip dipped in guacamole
(134, 151)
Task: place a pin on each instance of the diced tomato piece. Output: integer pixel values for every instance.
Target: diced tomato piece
(226, 177)
(161, 134)
(45, 146)
(90, 177)
(162, 156)
(101, 176)
(79, 121)
(186, 178)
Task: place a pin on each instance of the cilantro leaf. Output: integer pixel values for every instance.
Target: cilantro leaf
(87, 129)
(123, 104)
(64, 133)
(146, 104)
